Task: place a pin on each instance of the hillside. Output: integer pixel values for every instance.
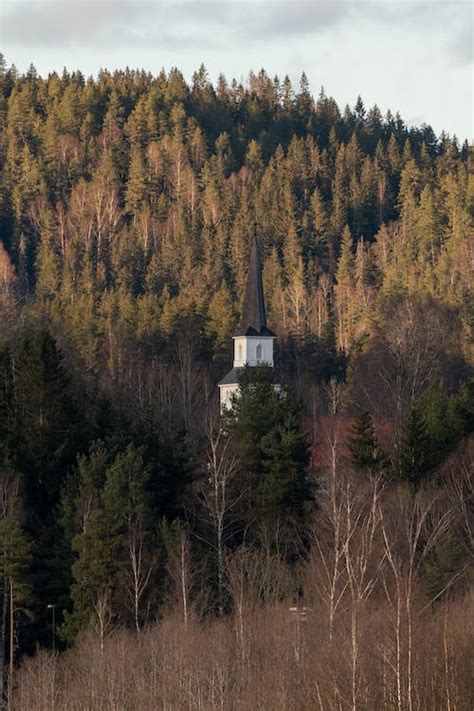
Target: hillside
(128, 203)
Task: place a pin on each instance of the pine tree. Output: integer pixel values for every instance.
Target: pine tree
(339, 200)
(359, 111)
(136, 194)
(273, 456)
(393, 154)
(428, 228)
(447, 418)
(48, 420)
(414, 460)
(14, 563)
(463, 407)
(366, 456)
(222, 320)
(305, 103)
(295, 290)
(93, 574)
(137, 127)
(7, 400)
(344, 292)
(112, 516)
(47, 260)
(253, 159)
(320, 223)
(27, 185)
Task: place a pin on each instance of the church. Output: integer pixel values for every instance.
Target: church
(253, 343)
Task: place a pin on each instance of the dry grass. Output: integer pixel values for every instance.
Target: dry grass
(285, 663)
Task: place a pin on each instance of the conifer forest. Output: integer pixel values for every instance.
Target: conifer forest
(309, 549)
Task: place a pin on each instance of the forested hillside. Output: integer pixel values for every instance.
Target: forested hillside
(127, 207)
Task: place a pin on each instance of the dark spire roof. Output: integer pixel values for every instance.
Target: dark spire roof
(254, 319)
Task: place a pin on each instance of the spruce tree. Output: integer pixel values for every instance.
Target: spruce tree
(366, 456)
(47, 262)
(344, 292)
(137, 184)
(7, 400)
(221, 321)
(320, 224)
(113, 517)
(14, 564)
(414, 452)
(48, 420)
(273, 454)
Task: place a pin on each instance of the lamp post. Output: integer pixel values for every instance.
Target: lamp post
(53, 609)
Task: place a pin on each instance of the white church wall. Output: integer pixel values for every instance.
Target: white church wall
(253, 350)
(226, 393)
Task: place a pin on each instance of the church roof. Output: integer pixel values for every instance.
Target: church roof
(254, 318)
(232, 377)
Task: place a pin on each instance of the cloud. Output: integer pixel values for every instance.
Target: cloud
(56, 23)
(461, 47)
(270, 20)
(205, 24)
(109, 23)
(59, 23)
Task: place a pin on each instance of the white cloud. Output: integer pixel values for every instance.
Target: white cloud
(101, 23)
(403, 54)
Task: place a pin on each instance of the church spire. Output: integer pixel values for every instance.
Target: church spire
(254, 318)
(253, 344)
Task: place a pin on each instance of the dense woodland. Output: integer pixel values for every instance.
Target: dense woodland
(131, 518)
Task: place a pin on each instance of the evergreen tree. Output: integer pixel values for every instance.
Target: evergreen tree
(463, 407)
(47, 262)
(344, 292)
(221, 320)
(137, 184)
(320, 224)
(366, 456)
(48, 425)
(414, 459)
(273, 456)
(14, 563)
(128, 514)
(7, 400)
(112, 514)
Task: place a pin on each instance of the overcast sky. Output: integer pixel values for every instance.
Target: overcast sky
(411, 56)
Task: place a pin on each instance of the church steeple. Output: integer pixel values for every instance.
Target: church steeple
(253, 344)
(254, 318)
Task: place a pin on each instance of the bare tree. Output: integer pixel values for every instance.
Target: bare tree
(460, 488)
(181, 576)
(331, 554)
(253, 579)
(103, 622)
(327, 557)
(361, 512)
(218, 498)
(190, 378)
(140, 569)
(410, 345)
(8, 277)
(410, 529)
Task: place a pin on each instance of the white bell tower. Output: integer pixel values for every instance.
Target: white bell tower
(253, 344)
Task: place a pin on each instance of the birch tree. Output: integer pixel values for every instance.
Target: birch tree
(219, 499)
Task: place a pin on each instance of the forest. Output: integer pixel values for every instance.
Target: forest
(311, 550)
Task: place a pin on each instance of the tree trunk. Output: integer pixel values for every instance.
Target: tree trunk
(12, 645)
(184, 591)
(3, 641)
